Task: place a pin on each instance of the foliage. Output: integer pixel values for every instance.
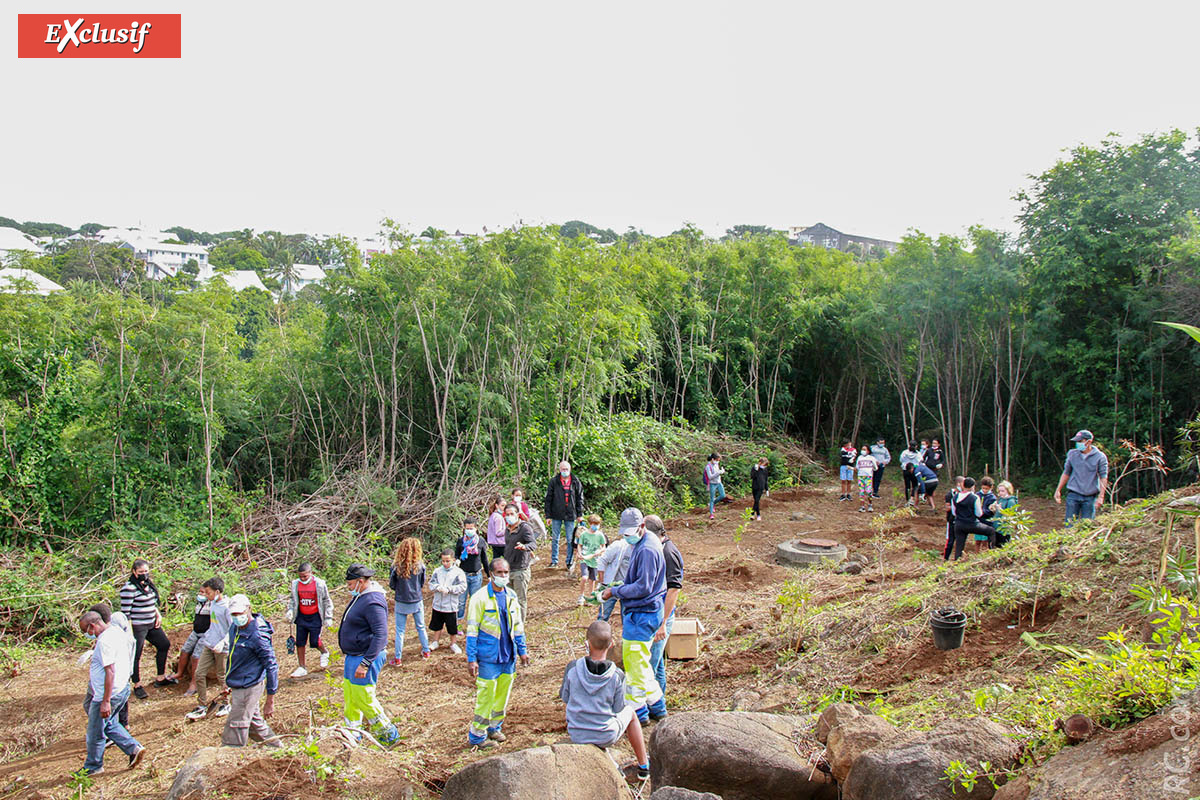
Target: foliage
(962, 775)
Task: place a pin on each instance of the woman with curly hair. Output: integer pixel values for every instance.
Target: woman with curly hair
(407, 580)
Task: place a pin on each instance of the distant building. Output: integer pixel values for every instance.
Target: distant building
(163, 259)
(822, 235)
(302, 275)
(240, 279)
(14, 280)
(12, 241)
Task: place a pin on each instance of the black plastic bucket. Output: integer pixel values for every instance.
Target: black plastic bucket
(948, 625)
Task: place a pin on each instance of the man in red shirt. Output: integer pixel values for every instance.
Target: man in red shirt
(310, 608)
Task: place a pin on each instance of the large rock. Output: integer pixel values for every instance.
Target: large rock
(206, 769)
(555, 772)
(736, 754)
(835, 714)
(1157, 758)
(676, 793)
(914, 765)
(852, 737)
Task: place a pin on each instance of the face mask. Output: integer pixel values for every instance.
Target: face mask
(566, 473)
(141, 580)
(865, 453)
(511, 519)
(306, 581)
(91, 636)
(594, 527)
(201, 598)
(632, 538)
(517, 499)
(470, 534)
(499, 582)
(1081, 445)
(241, 620)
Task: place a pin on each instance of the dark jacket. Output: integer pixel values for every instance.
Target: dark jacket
(758, 479)
(364, 627)
(523, 534)
(472, 563)
(934, 459)
(251, 656)
(408, 590)
(557, 506)
(674, 564)
(986, 499)
(646, 581)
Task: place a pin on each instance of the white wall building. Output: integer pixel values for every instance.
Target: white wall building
(240, 279)
(302, 275)
(14, 280)
(12, 241)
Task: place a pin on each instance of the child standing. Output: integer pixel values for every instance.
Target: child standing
(594, 690)
(310, 609)
(865, 466)
(712, 476)
(758, 484)
(449, 585)
(988, 500)
(496, 527)
(951, 499)
(406, 580)
(1006, 497)
(846, 458)
(909, 459)
(591, 546)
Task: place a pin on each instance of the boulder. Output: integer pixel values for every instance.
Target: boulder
(738, 755)
(1156, 758)
(206, 769)
(854, 736)
(676, 793)
(554, 772)
(914, 765)
(835, 714)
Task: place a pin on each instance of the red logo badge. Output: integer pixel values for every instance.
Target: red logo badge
(99, 35)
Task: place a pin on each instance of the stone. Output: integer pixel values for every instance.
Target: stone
(745, 700)
(553, 772)
(206, 769)
(849, 568)
(800, 516)
(1016, 789)
(836, 714)
(851, 737)
(1151, 760)
(914, 765)
(677, 793)
(737, 755)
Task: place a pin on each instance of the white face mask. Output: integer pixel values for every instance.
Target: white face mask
(241, 620)
(469, 533)
(499, 582)
(566, 473)
(511, 519)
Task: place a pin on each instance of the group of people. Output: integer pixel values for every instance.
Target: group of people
(483, 594)
(919, 465)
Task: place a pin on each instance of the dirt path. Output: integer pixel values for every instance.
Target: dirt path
(730, 585)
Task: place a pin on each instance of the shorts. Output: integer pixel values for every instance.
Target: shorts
(927, 489)
(847, 473)
(624, 717)
(587, 573)
(446, 619)
(189, 646)
(308, 634)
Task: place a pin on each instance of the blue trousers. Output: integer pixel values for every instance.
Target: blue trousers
(100, 729)
(474, 582)
(657, 662)
(716, 493)
(1080, 506)
(606, 608)
(567, 528)
(417, 612)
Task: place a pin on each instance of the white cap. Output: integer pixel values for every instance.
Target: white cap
(238, 604)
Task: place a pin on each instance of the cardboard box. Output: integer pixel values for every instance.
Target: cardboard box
(684, 641)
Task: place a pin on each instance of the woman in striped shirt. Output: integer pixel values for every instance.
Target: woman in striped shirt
(139, 602)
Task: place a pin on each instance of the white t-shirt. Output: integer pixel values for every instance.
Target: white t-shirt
(866, 466)
(112, 648)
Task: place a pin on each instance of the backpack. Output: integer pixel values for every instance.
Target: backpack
(704, 474)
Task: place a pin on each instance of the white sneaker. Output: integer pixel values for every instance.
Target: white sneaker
(299, 672)
(455, 649)
(433, 645)
(324, 659)
(199, 712)
(582, 600)
(224, 710)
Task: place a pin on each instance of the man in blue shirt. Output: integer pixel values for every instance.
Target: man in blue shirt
(495, 638)
(1085, 477)
(252, 667)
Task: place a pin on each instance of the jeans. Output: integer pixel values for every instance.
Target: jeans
(474, 582)
(417, 612)
(716, 493)
(606, 608)
(100, 729)
(657, 662)
(1080, 506)
(567, 528)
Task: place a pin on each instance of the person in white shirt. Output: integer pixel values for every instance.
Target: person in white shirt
(121, 623)
(108, 681)
(712, 477)
(448, 583)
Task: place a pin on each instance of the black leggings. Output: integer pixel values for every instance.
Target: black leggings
(158, 640)
(497, 552)
(910, 484)
(875, 480)
(963, 529)
(757, 498)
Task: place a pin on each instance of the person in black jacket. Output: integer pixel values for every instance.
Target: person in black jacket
(758, 484)
(934, 458)
(471, 554)
(564, 509)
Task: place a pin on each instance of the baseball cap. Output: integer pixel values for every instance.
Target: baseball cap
(238, 604)
(1082, 436)
(356, 571)
(631, 520)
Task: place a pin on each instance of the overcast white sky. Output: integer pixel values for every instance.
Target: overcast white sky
(326, 117)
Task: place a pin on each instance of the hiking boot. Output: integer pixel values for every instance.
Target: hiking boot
(486, 744)
(137, 757)
(324, 660)
(497, 736)
(140, 693)
(199, 712)
(299, 672)
(224, 710)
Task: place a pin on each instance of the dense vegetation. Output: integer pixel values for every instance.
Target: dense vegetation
(129, 408)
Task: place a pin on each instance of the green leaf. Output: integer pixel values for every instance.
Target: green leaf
(1190, 330)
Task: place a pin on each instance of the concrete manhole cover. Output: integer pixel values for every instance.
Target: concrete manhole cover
(808, 551)
(813, 541)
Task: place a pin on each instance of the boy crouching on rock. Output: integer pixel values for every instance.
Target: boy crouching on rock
(594, 690)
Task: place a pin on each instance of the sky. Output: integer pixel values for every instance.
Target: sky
(875, 118)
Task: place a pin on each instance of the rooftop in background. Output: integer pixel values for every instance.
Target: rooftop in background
(832, 239)
(240, 279)
(12, 240)
(14, 280)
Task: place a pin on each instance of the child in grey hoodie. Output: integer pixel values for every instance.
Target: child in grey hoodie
(594, 690)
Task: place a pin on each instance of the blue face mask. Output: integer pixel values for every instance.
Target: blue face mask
(91, 636)
(594, 527)
(1081, 445)
(632, 538)
(566, 473)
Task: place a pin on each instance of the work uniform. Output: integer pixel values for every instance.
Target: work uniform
(495, 637)
(641, 599)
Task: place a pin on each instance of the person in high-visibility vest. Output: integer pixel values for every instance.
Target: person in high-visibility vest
(495, 639)
(641, 597)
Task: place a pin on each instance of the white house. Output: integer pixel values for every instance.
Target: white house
(302, 275)
(14, 280)
(12, 241)
(162, 259)
(240, 279)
